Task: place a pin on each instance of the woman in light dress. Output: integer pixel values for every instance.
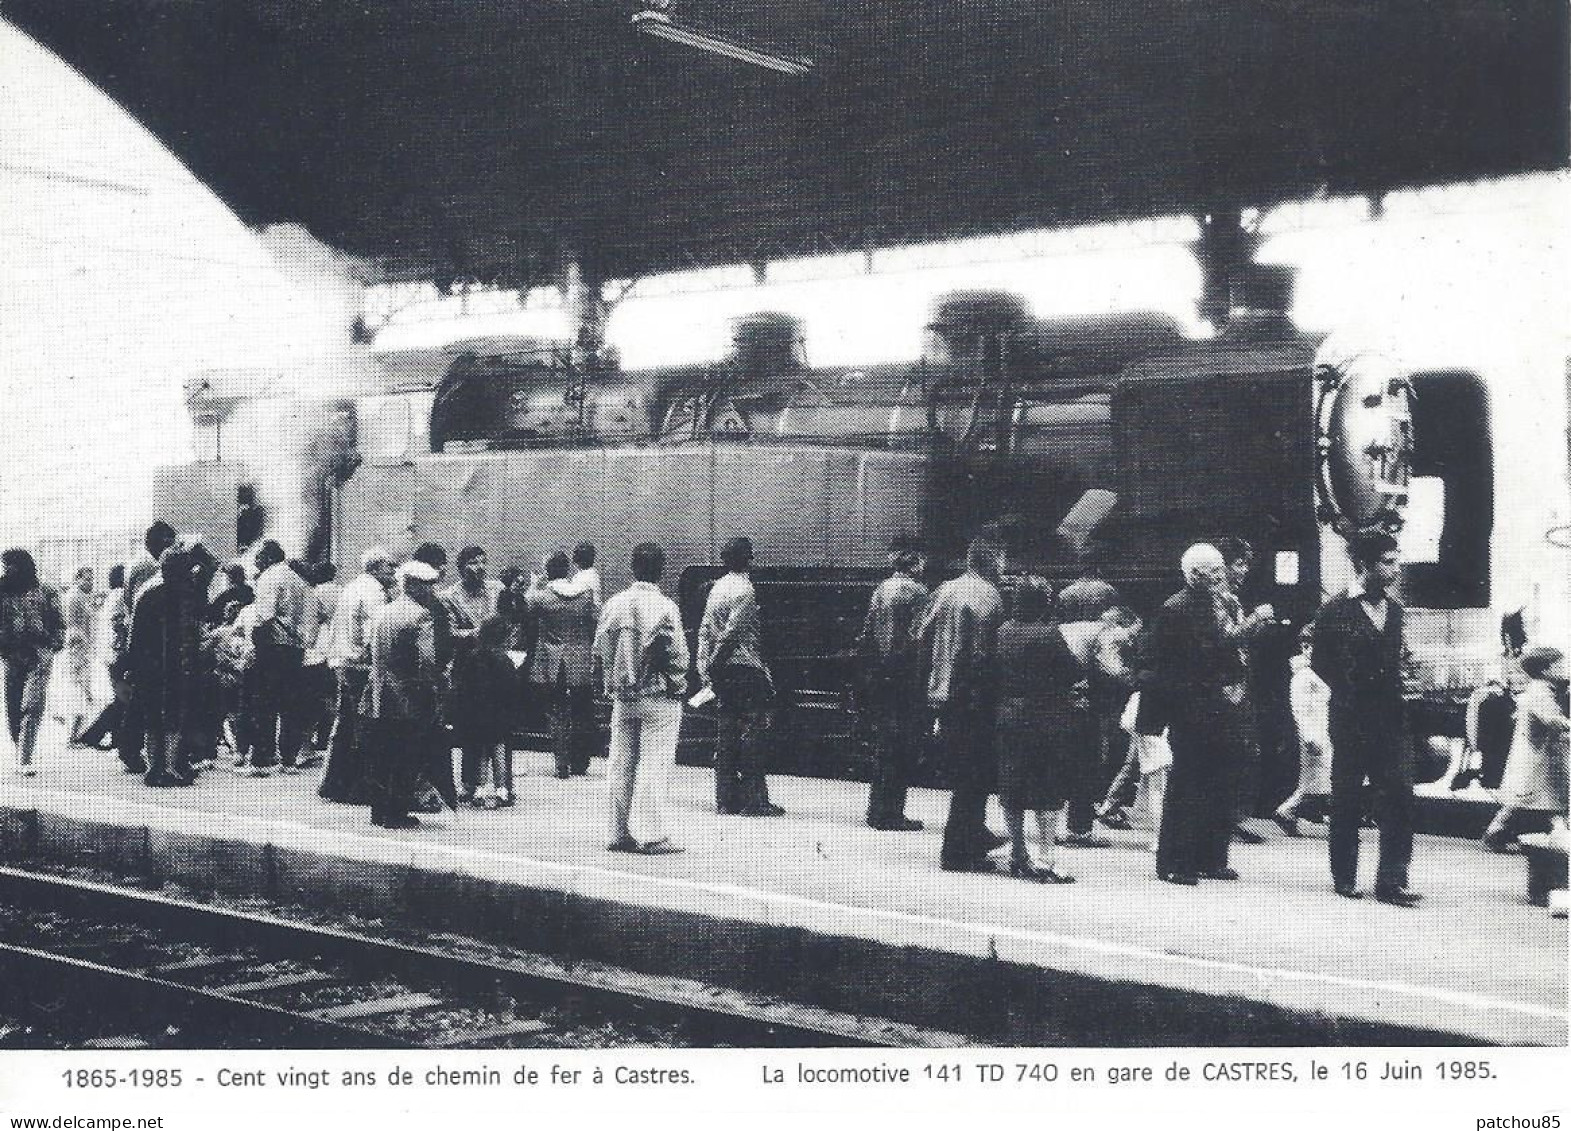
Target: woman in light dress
(1533, 790)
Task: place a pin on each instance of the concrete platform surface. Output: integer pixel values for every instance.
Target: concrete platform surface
(1474, 962)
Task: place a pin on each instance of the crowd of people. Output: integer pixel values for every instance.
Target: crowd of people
(1065, 705)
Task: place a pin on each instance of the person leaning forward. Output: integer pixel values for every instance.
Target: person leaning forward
(1358, 653)
(400, 705)
(959, 637)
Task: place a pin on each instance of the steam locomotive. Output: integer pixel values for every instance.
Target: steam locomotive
(1093, 444)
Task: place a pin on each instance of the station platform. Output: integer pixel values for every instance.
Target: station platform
(815, 907)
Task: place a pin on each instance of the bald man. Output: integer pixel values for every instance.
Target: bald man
(1196, 680)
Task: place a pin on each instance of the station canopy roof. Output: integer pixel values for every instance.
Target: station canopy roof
(493, 139)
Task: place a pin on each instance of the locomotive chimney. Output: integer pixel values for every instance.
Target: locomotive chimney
(1259, 296)
(767, 344)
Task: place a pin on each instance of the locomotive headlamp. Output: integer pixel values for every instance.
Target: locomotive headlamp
(1364, 416)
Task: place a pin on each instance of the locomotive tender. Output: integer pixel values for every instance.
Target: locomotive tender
(1096, 443)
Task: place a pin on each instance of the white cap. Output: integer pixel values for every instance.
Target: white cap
(417, 570)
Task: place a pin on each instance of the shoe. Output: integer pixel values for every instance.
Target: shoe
(1184, 879)
(1348, 891)
(253, 772)
(897, 825)
(1220, 874)
(310, 761)
(764, 810)
(1247, 836)
(728, 810)
(1026, 870)
(1462, 779)
(27, 771)
(1085, 840)
(1398, 897)
(624, 844)
(407, 822)
(1500, 845)
(489, 801)
(505, 799)
(289, 771)
(1288, 824)
(661, 847)
(134, 767)
(991, 841)
(977, 864)
(563, 775)
(1114, 819)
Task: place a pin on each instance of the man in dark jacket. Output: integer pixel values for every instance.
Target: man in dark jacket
(1196, 678)
(1358, 652)
(400, 703)
(171, 681)
(894, 702)
(562, 664)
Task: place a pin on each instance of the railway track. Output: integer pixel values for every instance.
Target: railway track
(84, 956)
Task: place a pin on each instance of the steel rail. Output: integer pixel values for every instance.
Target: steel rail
(708, 1023)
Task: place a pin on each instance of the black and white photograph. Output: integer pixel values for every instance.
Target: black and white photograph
(899, 554)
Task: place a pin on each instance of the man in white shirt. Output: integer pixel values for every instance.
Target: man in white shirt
(285, 608)
(642, 654)
(348, 652)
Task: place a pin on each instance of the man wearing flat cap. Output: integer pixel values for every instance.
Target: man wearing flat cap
(401, 694)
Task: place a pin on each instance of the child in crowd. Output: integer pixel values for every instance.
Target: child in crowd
(483, 706)
(1310, 700)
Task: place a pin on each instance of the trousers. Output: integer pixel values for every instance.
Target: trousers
(1197, 813)
(344, 780)
(897, 714)
(26, 690)
(284, 705)
(1386, 762)
(967, 732)
(644, 735)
